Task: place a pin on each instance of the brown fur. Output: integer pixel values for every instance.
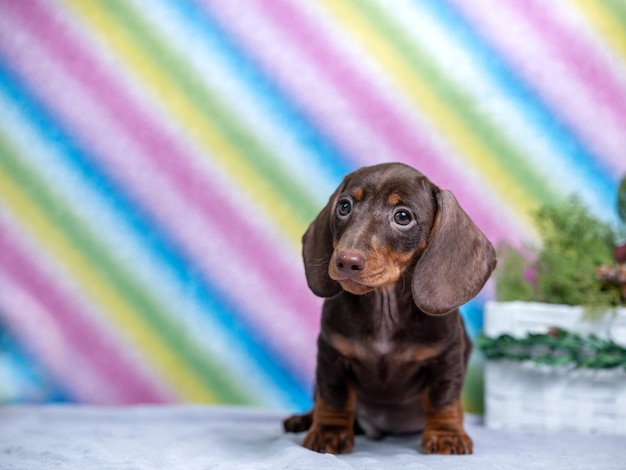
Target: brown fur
(444, 429)
(394, 262)
(332, 427)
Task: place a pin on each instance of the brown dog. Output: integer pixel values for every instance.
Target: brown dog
(395, 257)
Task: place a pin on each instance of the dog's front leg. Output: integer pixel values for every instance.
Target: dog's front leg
(332, 430)
(444, 432)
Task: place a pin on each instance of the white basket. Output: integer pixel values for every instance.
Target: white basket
(525, 396)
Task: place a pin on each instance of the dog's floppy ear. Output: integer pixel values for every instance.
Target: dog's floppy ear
(317, 249)
(456, 263)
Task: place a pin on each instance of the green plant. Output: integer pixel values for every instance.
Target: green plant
(514, 275)
(557, 348)
(574, 244)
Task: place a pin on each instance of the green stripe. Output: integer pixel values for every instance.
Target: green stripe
(617, 9)
(173, 335)
(501, 150)
(218, 114)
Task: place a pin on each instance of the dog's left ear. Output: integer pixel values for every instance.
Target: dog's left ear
(456, 263)
(317, 249)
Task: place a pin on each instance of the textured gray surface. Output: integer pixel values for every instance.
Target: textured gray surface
(203, 437)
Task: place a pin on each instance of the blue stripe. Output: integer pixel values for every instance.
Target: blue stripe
(472, 313)
(42, 387)
(274, 100)
(156, 243)
(564, 140)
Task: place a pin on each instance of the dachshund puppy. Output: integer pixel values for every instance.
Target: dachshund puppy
(395, 257)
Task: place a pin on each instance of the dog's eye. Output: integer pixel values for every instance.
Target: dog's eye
(344, 208)
(402, 218)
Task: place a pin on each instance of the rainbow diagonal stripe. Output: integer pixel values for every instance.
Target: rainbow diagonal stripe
(159, 161)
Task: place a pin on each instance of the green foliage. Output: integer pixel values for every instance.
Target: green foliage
(558, 348)
(574, 244)
(512, 276)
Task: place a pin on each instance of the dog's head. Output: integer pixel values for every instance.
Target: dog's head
(386, 218)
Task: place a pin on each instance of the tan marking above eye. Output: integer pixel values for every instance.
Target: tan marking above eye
(394, 199)
(358, 194)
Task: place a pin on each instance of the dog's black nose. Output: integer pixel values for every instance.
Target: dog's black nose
(350, 263)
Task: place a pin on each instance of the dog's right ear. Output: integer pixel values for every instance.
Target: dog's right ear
(317, 249)
(456, 263)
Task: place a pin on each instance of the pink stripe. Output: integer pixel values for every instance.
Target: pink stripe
(119, 376)
(599, 130)
(580, 58)
(172, 162)
(375, 110)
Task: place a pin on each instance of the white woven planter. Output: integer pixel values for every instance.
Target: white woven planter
(525, 396)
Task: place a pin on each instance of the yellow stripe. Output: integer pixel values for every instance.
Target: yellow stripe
(610, 27)
(448, 123)
(95, 285)
(182, 108)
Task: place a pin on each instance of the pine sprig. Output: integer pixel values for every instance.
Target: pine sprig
(559, 347)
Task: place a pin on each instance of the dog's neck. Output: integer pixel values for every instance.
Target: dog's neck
(388, 319)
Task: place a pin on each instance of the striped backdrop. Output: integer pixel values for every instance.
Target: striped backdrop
(160, 159)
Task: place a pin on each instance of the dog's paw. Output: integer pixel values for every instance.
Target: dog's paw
(298, 423)
(330, 440)
(446, 442)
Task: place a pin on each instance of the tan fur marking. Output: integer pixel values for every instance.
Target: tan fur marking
(332, 430)
(392, 257)
(388, 263)
(358, 194)
(345, 346)
(383, 267)
(371, 349)
(444, 432)
(449, 418)
(394, 199)
(424, 353)
(326, 415)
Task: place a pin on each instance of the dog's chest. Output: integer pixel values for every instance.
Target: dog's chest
(383, 346)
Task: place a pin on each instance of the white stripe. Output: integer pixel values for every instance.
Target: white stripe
(462, 69)
(210, 68)
(29, 320)
(525, 47)
(52, 269)
(126, 248)
(260, 302)
(311, 88)
(304, 82)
